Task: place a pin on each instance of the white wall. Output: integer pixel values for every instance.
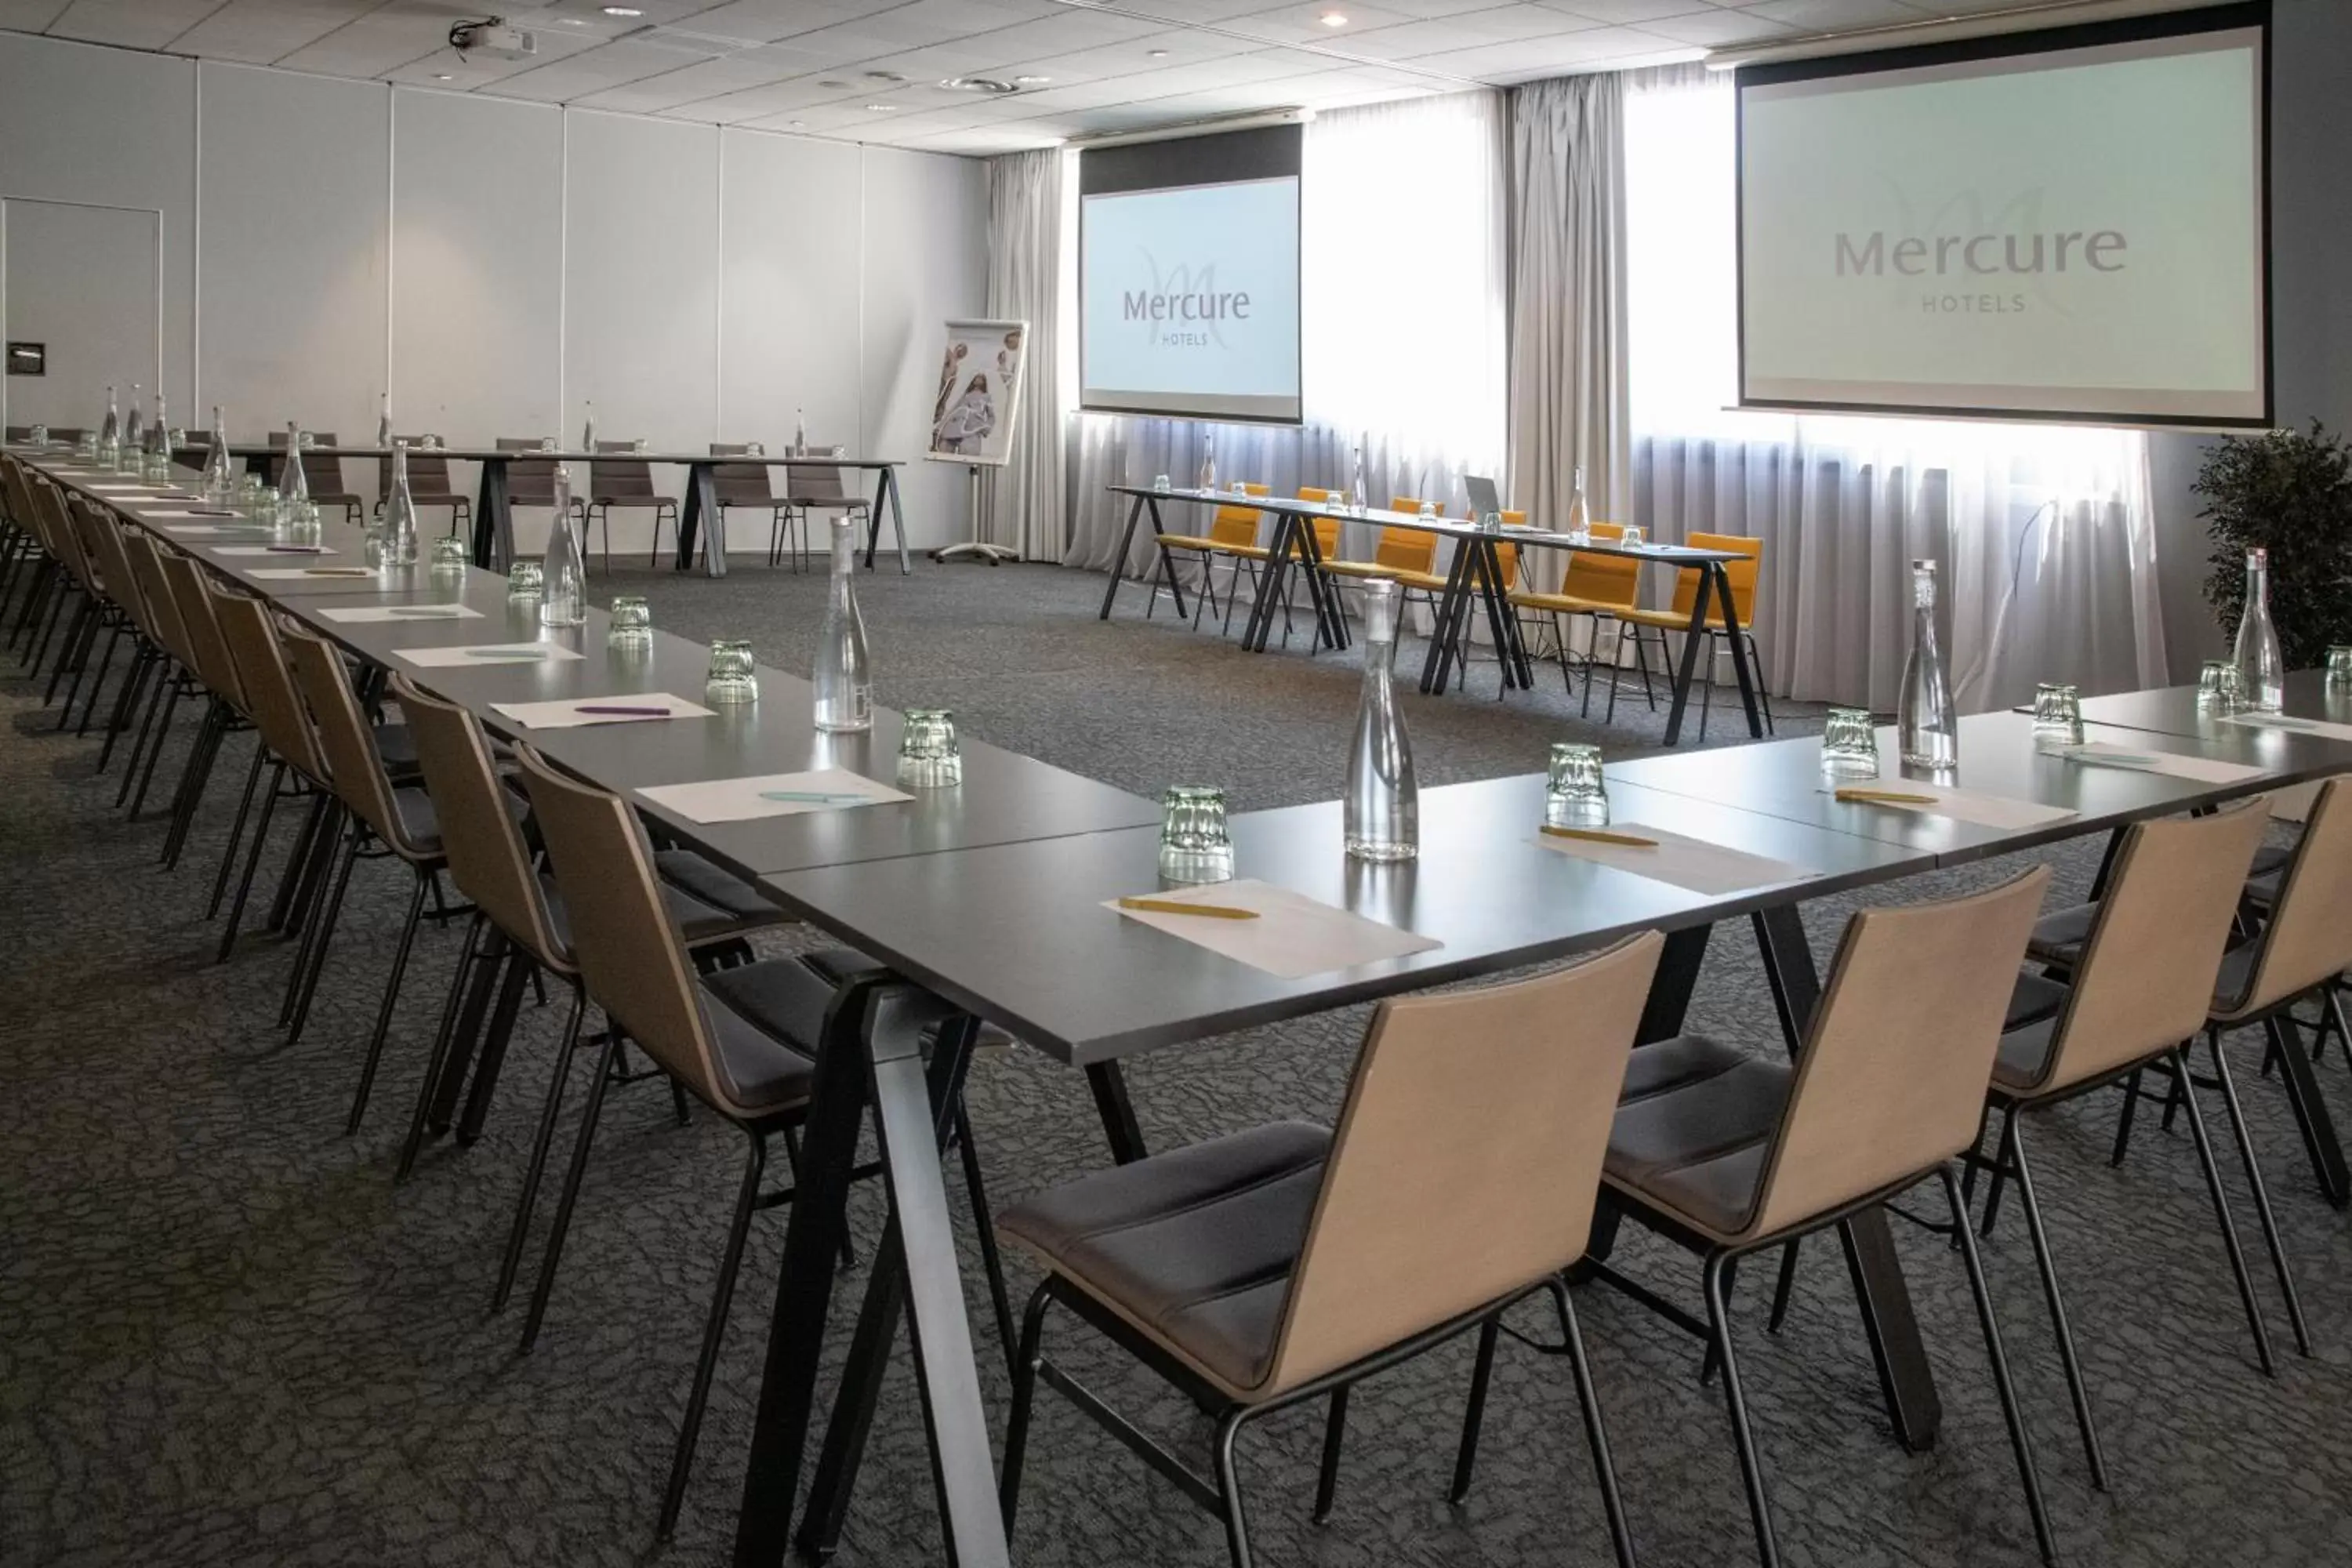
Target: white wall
(495, 265)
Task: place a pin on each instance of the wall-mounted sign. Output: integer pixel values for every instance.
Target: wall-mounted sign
(29, 359)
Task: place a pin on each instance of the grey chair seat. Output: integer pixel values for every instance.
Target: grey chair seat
(697, 920)
(1692, 1125)
(766, 1021)
(1194, 1246)
(700, 879)
(2058, 938)
(631, 501)
(418, 820)
(2026, 1031)
(2237, 974)
(397, 748)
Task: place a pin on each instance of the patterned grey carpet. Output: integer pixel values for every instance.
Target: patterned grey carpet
(227, 1338)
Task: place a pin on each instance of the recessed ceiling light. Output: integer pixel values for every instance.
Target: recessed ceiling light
(988, 86)
(623, 11)
(442, 76)
(1157, 53)
(836, 85)
(800, 125)
(883, 75)
(881, 107)
(1030, 80)
(1334, 19)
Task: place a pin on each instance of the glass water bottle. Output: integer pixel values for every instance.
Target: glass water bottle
(292, 486)
(220, 480)
(1362, 498)
(383, 423)
(588, 431)
(1206, 479)
(1580, 520)
(399, 525)
(1927, 732)
(845, 681)
(1383, 800)
(109, 435)
(130, 457)
(159, 446)
(2261, 671)
(800, 434)
(563, 599)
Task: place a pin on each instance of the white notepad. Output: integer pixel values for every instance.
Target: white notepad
(2292, 726)
(486, 654)
(368, 612)
(742, 800)
(1694, 864)
(571, 712)
(2175, 764)
(1960, 805)
(1293, 936)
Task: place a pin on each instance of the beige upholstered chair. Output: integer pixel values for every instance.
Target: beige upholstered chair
(2140, 982)
(1728, 1154)
(743, 485)
(400, 819)
(1283, 1264)
(176, 669)
(810, 488)
(490, 862)
(96, 535)
(743, 1041)
(225, 713)
(627, 483)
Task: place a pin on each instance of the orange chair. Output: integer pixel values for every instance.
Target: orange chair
(1406, 556)
(1232, 537)
(1743, 575)
(1605, 588)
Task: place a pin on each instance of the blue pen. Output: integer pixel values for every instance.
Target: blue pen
(813, 797)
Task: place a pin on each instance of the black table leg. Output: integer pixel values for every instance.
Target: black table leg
(1438, 661)
(1500, 623)
(1118, 1112)
(1739, 666)
(2311, 1116)
(1117, 566)
(703, 496)
(1693, 636)
(1331, 626)
(813, 1233)
(689, 524)
(883, 1058)
(844, 1452)
(1269, 585)
(889, 486)
(493, 519)
(1906, 1379)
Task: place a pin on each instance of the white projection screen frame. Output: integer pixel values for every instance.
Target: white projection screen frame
(1229, 343)
(1849, 303)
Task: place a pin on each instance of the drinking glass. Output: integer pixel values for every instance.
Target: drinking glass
(2218, 689)
(526, 580)
(450, 556)
(40, 435)
(87, 447)
(1194, 846)
(429, 443)
(1575, 794)
(309, 439)
(547, 443)
(754, 450)
(1632, 538)
(297, 521)
(731, 679)
(2057, 714)
(1428, 512)
(1241, 489)
(632, 627)
(638, 445)
(929, 757)
(1850, 743)
(1160, 484)
(2340, 667)
(840, 451)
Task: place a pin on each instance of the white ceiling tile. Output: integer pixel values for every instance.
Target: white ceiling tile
(1528, 58)
(1821, 15)
(31, 16)
(1498, 24)
(1618, 13)
(266, 31)
(1715, 29)
(1304, 23)
(132, 24)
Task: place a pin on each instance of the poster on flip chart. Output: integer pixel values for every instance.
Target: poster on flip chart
(980, 380)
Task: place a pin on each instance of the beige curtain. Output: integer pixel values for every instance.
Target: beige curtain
(1021, 504)
(1568, 320)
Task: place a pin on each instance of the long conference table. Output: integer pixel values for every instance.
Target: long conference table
(1038, 852)
(494, 511)
(1475, 580)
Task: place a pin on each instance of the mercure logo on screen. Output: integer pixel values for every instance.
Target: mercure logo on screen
(1183, 308)
(1983, 255)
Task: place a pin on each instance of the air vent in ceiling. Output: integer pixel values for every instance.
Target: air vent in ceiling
(987, 86)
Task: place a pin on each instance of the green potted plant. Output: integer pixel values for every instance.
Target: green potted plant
(2289, 493)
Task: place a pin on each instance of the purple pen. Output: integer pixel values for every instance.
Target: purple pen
(623, 712)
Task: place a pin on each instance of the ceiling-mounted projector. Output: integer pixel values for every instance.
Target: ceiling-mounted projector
(493, 37)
